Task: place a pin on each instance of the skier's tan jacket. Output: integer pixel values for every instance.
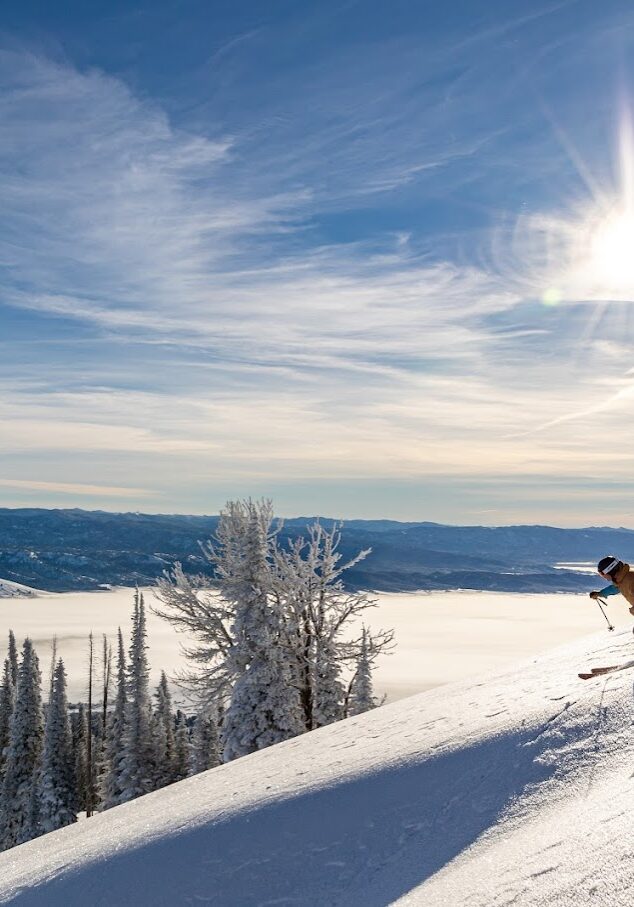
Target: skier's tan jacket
(624, 582)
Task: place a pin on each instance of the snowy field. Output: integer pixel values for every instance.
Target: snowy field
(512, 790)
(441, 636)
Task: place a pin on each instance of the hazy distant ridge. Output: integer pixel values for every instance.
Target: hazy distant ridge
(77, 549)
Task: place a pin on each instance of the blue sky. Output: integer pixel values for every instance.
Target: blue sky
(369, 259)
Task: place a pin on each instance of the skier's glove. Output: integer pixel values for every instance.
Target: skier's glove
(594, 595)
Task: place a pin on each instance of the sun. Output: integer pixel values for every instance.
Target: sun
(612, 251)
(583, 251)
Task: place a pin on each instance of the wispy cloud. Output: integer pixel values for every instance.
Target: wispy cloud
(210, 329)
(75, 489)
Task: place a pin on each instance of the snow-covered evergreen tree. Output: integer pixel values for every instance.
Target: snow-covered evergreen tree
(7, 704)
(163, 731)
(57, 781)
(182, 753)
(18, 817)
(265, 706)
(139, 767)
(80, 754)
(12, 655)
(111, 787)
(311, 585)
(273, 637)
(8, 687)
(100, 760)
(206, 618)
(361, 697)
(205, 748)
(328, 690)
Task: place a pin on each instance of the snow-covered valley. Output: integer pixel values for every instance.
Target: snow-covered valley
(512, 789)
(440, 636)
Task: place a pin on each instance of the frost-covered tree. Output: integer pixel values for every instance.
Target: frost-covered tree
(57, 792)
(328, 691)
(8, 687)
(320, 614)
(101, 762)
(13, 659)
(273, 640)
(361, 696)
(205, 747)
(264, 707)
(139, 768)
(111, 788)
(163, 731)
(205, 617)
(7, 704)
(182, 753)
(18, 815)
(80, 752)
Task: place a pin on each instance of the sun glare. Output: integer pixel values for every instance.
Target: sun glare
(612, 251)
(585, 253)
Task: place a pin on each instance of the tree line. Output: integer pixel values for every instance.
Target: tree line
(57, 762)
(276, 649)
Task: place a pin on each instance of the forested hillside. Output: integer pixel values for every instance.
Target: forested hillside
(63, 550)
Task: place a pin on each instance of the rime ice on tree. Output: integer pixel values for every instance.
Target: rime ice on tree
(19, 818)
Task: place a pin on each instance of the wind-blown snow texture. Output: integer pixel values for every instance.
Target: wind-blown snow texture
(515, 789)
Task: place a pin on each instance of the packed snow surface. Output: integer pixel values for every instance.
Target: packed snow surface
(514, 789)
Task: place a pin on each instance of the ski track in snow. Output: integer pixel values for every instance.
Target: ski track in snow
(509, 790)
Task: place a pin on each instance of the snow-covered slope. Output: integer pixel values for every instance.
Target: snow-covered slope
(17, 590)
(515, 789)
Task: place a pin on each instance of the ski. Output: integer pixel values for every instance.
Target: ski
(608, 669)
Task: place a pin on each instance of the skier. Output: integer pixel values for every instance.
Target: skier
(621, 579)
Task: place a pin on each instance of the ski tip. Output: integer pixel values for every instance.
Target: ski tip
(586, 676)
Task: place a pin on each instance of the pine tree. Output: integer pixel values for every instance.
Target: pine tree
(80, 754)
(205, 749)
(8, 689)
(13, 660)
(163, 732)
(101, 762)
(361, 696)
(272, 639)
(182, 754)
(7, 704)
(19, 820)
(328, 690)
(57, 782)
(265, 706)
(111, 788)
(139, 768)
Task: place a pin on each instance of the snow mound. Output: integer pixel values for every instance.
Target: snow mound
(514, 789)
(17, 590)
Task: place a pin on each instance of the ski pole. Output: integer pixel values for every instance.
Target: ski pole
(600, 602)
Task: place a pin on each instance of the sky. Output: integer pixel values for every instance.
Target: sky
(367, 259)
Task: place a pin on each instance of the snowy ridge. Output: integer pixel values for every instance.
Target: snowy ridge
(17, 590)
(514, 789)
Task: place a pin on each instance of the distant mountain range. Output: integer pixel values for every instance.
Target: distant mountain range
(62, 550)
